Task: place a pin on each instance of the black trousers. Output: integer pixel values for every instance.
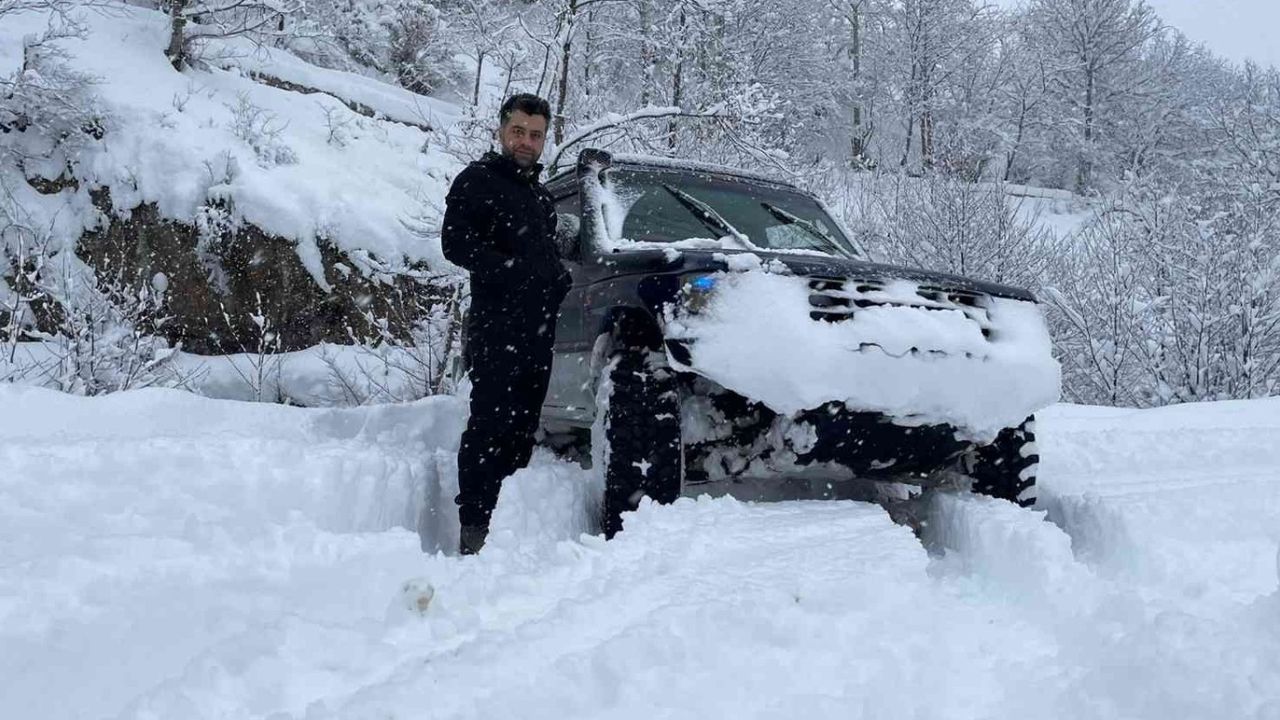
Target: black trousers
(510, 367)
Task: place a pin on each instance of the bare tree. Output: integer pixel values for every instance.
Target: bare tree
(195, 21)
(487, 24)
(1094, 48)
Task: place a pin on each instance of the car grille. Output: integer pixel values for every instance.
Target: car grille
(837, 299)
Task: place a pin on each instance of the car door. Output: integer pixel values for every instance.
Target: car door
(570, 396)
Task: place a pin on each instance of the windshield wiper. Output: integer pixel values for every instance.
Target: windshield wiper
(808, 225)
(708, 215)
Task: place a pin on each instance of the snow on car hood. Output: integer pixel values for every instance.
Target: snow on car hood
(919, 365)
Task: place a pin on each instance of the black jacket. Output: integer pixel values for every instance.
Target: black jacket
(500, 224)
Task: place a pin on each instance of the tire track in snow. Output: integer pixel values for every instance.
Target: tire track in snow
(652, 619)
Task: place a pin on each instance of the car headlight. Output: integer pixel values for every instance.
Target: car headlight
(697, 292)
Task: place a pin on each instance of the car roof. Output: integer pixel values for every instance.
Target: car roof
(666, 164)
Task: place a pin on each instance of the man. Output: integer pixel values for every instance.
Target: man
(499, 224)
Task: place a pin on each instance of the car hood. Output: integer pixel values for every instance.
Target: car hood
(807, 265)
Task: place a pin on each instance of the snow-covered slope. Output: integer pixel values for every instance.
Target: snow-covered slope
(166, 556)
(305, 167)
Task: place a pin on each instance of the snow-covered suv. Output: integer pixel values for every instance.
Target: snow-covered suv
(723, 327)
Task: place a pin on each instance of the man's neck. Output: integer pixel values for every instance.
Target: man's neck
(530, 173)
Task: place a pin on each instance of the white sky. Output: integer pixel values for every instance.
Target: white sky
(1235, 29)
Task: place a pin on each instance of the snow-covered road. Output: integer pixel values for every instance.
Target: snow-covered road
(164, 556)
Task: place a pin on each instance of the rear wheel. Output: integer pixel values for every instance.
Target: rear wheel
(1007, 468)
(639, 418)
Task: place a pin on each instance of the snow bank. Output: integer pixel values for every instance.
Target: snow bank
(546, 504)
(918, 365)
(154, 530)
(1121, 648)
(1186, 497)
(124, 461)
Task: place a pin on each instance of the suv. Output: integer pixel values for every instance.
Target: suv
(722, 327)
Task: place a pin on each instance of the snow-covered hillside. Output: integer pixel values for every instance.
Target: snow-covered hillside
(166, 556)
(304, 166)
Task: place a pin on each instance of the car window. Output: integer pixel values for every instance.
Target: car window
(663, 207)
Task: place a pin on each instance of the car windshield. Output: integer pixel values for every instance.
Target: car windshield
(662, 207)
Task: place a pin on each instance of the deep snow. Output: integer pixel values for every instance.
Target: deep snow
(167, 556)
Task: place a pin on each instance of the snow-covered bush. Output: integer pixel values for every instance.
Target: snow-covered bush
(402, 367)
(47, 109)
(1171, 295)
(951, 224)
(261, 130)
(417, 46)
(409, 41)
(84, 334)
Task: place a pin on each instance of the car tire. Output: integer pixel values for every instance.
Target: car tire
(1007, 468)
(643, 452)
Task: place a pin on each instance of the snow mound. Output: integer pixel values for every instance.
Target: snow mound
(916, 365)
(545, 504)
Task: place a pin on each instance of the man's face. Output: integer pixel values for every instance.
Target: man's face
(522, 137)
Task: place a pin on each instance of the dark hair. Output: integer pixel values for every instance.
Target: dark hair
(526, 103)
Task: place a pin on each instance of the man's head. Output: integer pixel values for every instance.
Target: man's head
(523, 129)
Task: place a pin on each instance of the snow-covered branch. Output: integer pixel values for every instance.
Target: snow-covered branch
(614, 121)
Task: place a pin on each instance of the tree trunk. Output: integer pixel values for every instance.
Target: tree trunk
(911, 133)
(677, 87)
(177, 51)
(647, 57)
(1083, 177)
(858, 143)
(1012, 156)
(475, 93)
(566, 49)
(926, 139)
(587, 55)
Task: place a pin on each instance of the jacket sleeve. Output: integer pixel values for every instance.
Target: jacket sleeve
(463, 237)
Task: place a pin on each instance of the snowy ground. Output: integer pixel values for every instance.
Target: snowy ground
(167, 556)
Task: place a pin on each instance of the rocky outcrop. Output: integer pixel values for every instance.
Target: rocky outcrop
(216, 278)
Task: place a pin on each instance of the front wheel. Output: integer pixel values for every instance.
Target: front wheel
(638, 431)
(1006, 469)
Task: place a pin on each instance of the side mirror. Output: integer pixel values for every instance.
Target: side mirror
(594, 159)
(568, 234)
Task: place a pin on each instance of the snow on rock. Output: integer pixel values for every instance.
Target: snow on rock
(181, 140)
(914, 364)
(385, 100)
